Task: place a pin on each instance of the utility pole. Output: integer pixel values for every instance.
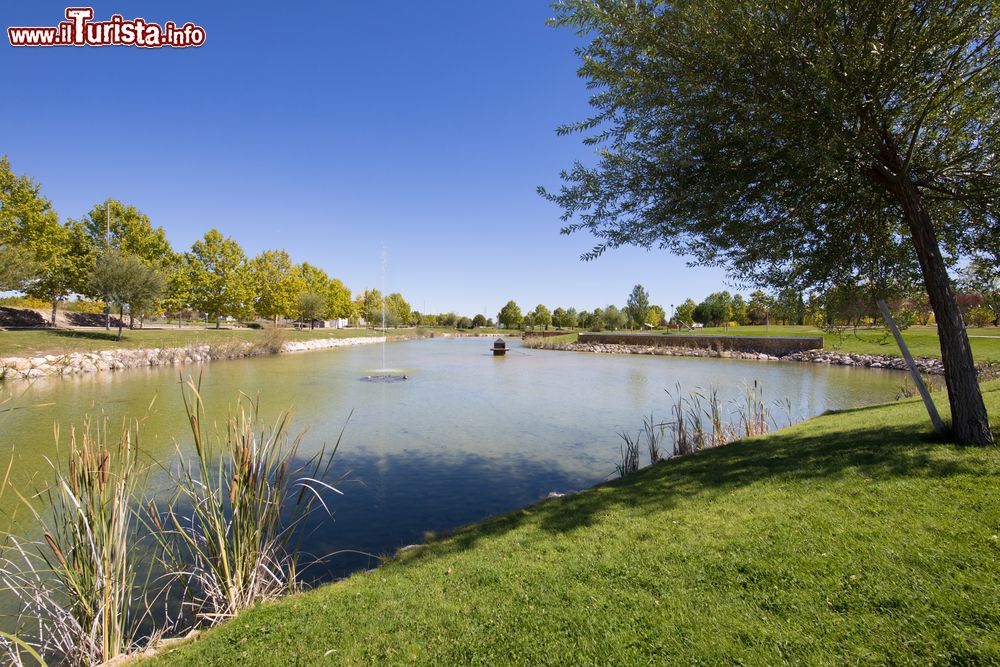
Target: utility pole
(107, 248)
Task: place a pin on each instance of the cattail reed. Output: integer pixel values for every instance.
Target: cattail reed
(701, 420)
(235, 524)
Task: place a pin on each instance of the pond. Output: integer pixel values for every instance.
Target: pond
(467, 434)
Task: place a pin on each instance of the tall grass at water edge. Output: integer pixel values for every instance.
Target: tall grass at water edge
(232, 534)
(700, 420)
(78, 588)
(228, 539)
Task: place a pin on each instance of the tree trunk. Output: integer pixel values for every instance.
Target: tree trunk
(969, 420)
(121, 323)
(55, 305)
(218, 321)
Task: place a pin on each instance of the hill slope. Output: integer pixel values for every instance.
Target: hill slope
(849, 538)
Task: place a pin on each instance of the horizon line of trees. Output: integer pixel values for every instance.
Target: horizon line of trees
(848, 305)
(116, 255)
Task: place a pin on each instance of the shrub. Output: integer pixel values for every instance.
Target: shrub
(231, 535)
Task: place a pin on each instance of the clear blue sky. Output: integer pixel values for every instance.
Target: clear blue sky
(334, 129)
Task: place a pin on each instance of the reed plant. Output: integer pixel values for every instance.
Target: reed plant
(77, 586)
(629, 454)
(699, 420)
(231, 535)
(651, 434)
(908, 389)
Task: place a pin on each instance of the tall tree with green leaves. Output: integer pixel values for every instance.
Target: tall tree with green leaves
(219, 277)
(789, 307)
(739, 309)
(277, 284)
(397, 310)
(16, 269)
(716, 310)
(62, 264)
(369, 304)
(338, 300)
(127, 281)
(177, 296)
(684, 314)
(309, 307)
(637, 307)
(47, 264)
(126, 229)
(543, 317)
(802, 144)
(510, 316)
(614, 318)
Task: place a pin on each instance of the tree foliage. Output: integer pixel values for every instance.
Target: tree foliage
(542, 316)
(685, 312)
(397, 310)
(716, 310)
(16, 269)
(802, 144)
(219, 276)
(637, 307)
(131, 233)
(277, 284)
(127, 282)
(309, 307)
(510, 316)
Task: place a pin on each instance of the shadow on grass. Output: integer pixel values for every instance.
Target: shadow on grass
(85, 335)
(864, 448)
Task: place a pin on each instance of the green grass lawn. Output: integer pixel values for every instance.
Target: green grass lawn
(851, 538)
(23, 343)
(922, 341)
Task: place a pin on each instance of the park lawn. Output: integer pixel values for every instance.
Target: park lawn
(850, 538)
(922, 341)
(34, 342)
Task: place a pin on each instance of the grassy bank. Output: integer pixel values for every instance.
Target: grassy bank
(922, 341)
(851, 538)
(35, 342)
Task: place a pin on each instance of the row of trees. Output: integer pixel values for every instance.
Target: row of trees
(841, 305)
(115, 254)
(638, 313)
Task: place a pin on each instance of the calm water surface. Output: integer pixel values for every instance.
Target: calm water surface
(468, 435)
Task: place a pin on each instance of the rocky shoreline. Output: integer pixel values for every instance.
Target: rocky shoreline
(928, 366)
(79, 363)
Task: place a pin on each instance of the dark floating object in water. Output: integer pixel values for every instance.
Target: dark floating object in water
(384, 378)
(499, 347)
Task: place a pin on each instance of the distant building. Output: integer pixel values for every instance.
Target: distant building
(339, 323)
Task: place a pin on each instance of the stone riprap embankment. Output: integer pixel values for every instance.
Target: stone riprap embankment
(929, 366)
(770, 345)
(76, 363)
(327, 343)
